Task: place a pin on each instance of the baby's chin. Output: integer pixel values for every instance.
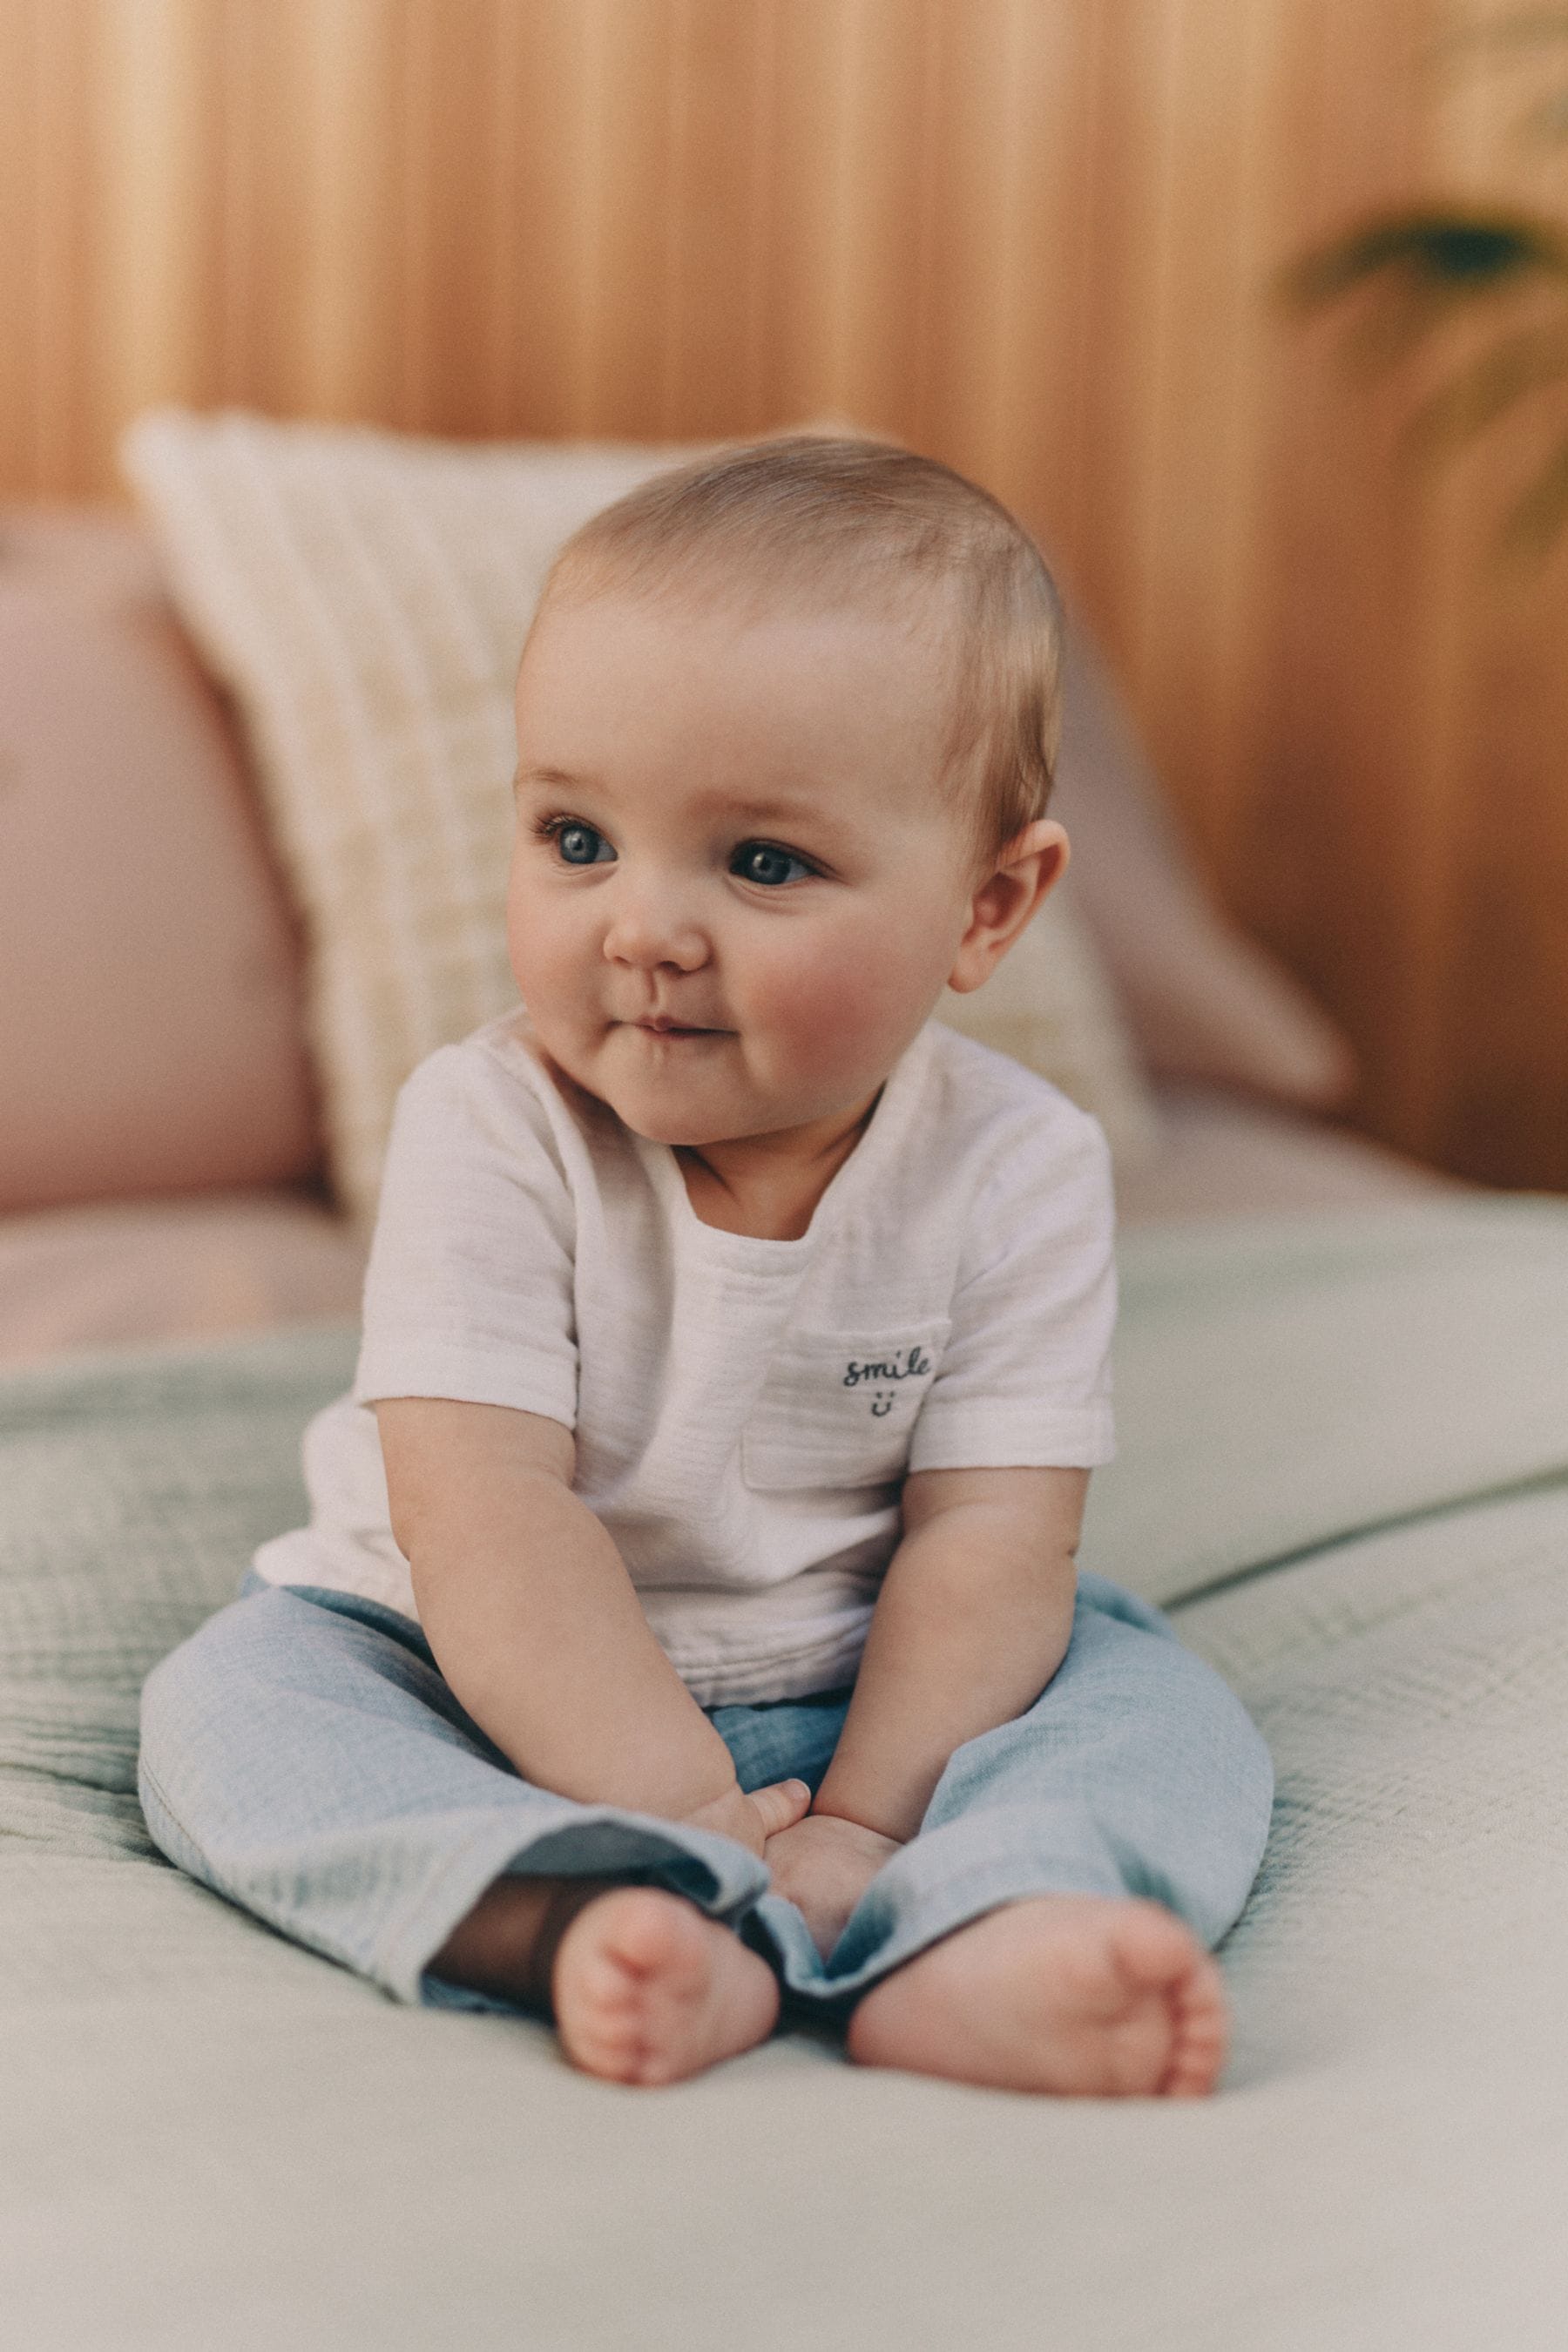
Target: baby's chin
(688, 1117)
(683, 1126)
(682, 1131)
(686, 1127)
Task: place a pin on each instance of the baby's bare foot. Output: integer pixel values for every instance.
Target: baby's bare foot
(1073, 1994)
(647, 1989)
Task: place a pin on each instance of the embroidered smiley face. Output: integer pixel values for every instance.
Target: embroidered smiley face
(882, 1373)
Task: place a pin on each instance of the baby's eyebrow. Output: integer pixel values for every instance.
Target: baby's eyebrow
(754, 812)
(783, 811)
(555, 777)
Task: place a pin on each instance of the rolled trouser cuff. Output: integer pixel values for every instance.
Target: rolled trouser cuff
(919, 1895)
(720, 1877)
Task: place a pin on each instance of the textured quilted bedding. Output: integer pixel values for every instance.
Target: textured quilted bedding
(1344, 1465)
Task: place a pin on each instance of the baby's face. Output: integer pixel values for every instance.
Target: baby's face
(735, 893)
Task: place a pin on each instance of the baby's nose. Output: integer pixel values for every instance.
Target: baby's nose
(649, 928)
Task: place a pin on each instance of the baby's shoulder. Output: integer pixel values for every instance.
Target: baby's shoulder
(495, 1098)
(983, 1103)
(501, 1066)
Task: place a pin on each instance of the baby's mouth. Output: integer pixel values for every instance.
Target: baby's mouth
(662, 1028)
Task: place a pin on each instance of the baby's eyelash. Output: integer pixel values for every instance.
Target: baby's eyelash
(554, 830)
(774, 849)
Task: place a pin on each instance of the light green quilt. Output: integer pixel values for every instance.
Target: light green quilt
(1344, 1463)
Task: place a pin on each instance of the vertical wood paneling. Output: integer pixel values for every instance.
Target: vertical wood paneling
(631, 263)
(967, 193)
(1047, 264)
(881, 60)
(1036, 236)
(1318, 858)
(27, 202)
(1496, 946)
(815, 324)
(260, 219)
(342, 111)
(45, 192)
(1206, 357)
(157, 109)
(719, 93)
(549, 176)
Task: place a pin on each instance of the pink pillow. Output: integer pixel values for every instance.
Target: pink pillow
(151, 1034)
(1202, 999)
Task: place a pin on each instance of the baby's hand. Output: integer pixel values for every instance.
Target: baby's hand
(824, 1864)
(752, 1820)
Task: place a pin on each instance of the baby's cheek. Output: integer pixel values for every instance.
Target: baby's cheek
(540, 954)
(849, 1012)
(521, 928)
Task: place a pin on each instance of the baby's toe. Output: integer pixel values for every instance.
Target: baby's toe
(647, 1991)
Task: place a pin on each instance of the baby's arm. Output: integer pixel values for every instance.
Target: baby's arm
(534, 1621)
(972, 1619)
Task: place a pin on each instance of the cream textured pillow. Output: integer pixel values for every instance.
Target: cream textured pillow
(1049, 1006)
(364, 595)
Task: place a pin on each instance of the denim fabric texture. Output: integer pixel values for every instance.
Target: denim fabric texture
(303, 1755)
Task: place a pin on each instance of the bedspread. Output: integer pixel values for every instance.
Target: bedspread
(1344, 1465)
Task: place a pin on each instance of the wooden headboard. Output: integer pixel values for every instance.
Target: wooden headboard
(1037, 237)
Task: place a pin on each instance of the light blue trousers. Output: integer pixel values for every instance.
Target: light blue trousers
(303, 1755)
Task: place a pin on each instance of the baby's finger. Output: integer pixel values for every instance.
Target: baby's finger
(780, 1805)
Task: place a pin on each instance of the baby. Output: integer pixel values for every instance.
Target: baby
(688, 1607)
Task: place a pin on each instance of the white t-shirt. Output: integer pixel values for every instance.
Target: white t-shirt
(745, 1410)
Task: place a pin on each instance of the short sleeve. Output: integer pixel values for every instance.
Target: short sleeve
(468, 1291)
(1025, 1379)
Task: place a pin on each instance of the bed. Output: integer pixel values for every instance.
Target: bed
(1343, 1466)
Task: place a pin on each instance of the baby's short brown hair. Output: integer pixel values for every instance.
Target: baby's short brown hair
(806, 518)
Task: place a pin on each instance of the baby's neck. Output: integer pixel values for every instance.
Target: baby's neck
(757, 1185)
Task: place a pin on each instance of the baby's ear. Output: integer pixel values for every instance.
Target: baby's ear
(1032, 863)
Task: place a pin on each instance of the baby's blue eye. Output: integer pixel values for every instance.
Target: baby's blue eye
(579, 844)
(763, 861)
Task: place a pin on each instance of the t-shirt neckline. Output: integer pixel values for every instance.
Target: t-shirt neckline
(838, 1194)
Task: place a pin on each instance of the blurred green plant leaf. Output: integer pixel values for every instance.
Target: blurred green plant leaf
(1422, 269)
(1527, 29)
(1530, 360)
(1416, 272)
(1544, 122)
(1534, 520)
(1546, 125)
(1430, 255)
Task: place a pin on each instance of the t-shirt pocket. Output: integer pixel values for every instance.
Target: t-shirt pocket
(839, 1406)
